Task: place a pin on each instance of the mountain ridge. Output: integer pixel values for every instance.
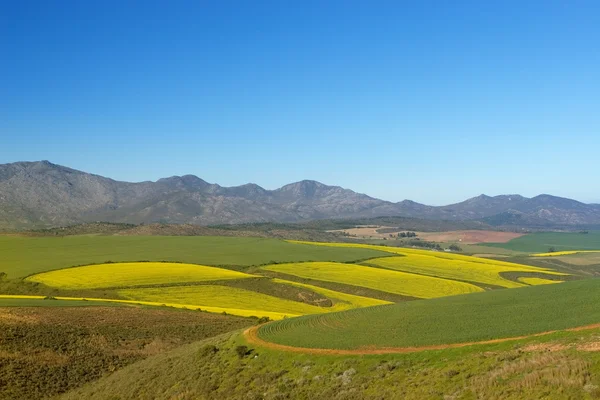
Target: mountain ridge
(43, 194)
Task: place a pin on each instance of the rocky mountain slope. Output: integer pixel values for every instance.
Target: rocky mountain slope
(42, 194)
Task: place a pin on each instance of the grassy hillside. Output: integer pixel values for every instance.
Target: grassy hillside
(23, 256)
(212, 369)
(457, 319)
(541, 242)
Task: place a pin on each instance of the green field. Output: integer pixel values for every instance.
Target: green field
(561, 241)
(23, 256)
(456, 319)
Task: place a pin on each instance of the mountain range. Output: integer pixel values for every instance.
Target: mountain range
(42, 194)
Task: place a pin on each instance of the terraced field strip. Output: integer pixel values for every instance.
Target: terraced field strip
(233, 311)
(564, 253)
(376, 278)
(132, 274)
(536, 281)
(224, 297)
(475, 317)
(342, 301)
(460, 269)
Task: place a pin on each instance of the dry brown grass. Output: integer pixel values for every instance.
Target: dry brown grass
(557, 371)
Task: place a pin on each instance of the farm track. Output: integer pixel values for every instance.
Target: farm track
(251, 335)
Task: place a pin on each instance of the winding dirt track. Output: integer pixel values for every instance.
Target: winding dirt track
(251, 335)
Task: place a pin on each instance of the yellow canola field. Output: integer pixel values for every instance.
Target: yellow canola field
(401, 283)
(233, 311)
(443, 259)
(463, 270)
(342, 301)
(564, 253)
(132, 274)
(536, 281)
(224, 296)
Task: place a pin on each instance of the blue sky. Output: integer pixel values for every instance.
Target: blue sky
(429, 100)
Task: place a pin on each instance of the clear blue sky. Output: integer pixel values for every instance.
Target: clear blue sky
(434, 101)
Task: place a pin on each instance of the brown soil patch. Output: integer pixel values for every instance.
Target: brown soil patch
(251, 335)
(469, 237)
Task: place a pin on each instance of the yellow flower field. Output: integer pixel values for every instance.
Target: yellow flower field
(132, 274)
(376, 278)
(224, 297)
(233, 311)
(444, 264)
(564, 253)
(486, 273)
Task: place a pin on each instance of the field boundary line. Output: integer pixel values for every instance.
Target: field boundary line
(251, 336)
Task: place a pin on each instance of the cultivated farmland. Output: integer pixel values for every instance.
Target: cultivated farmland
(536, 281)
(132, 274)
(456, 319)
(23, 256)
(376, 278)
(560, 241)
(460, 269)
(225, 299)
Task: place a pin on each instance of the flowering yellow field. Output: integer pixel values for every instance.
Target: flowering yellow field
(224, 297)
(564, 253)
(376, 278)
(132, 274)
(233, 311)
(485, 273)
(446, 265)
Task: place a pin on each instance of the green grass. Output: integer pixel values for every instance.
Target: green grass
(23, 256)
(541, 242)
(457, 319)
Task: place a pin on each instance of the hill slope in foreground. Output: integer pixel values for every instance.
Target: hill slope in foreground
(458, 319)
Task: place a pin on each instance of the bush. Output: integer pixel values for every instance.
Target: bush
(241, 351)
(207, 350)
